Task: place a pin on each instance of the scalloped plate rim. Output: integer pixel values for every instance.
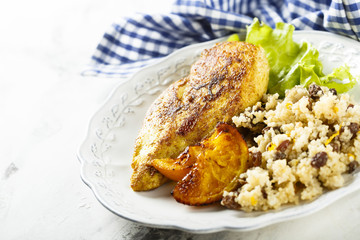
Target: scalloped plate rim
(311, 206)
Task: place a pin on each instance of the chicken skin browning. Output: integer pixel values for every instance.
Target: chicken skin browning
(227, 78)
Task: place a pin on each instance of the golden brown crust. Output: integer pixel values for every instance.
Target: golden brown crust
(225, 80)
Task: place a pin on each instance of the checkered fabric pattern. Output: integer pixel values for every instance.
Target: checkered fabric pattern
(142, 39)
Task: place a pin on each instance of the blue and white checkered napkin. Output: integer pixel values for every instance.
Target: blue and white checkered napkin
(142, 39)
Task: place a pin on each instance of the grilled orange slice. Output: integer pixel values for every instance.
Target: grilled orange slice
(218, 161)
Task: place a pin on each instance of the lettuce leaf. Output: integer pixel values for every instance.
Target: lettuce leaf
(340, 79)
(292, 63)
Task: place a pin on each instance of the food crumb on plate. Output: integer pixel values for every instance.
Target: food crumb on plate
(301, 145)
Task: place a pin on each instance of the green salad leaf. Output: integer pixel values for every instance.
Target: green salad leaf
(292, 63)
(233, 37)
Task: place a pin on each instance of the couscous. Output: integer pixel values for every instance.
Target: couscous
(301, 146)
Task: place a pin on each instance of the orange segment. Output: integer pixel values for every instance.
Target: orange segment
(219, 160)
(175, 169)
(170, 168)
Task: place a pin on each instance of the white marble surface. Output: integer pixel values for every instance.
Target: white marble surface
(45, 107)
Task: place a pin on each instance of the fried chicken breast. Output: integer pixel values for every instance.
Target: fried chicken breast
(227, 78)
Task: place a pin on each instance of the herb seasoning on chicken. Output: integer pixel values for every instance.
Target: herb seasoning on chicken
(227, 79)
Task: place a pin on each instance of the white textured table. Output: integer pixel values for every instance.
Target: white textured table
(45, 107)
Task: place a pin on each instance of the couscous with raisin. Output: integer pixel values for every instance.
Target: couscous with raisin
(302, 145)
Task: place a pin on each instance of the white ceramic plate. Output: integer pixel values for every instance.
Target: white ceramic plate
(106, 153)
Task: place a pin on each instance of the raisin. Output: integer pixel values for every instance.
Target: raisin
(354, 128)
(229, 202)
(264, 193)
(315, 91)
(255, 159)
(333, 91)
(283, 146)
(352, 166)
(279, 155)
(335, 146)
(309, 105)
(319, 159)
(350, 106)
